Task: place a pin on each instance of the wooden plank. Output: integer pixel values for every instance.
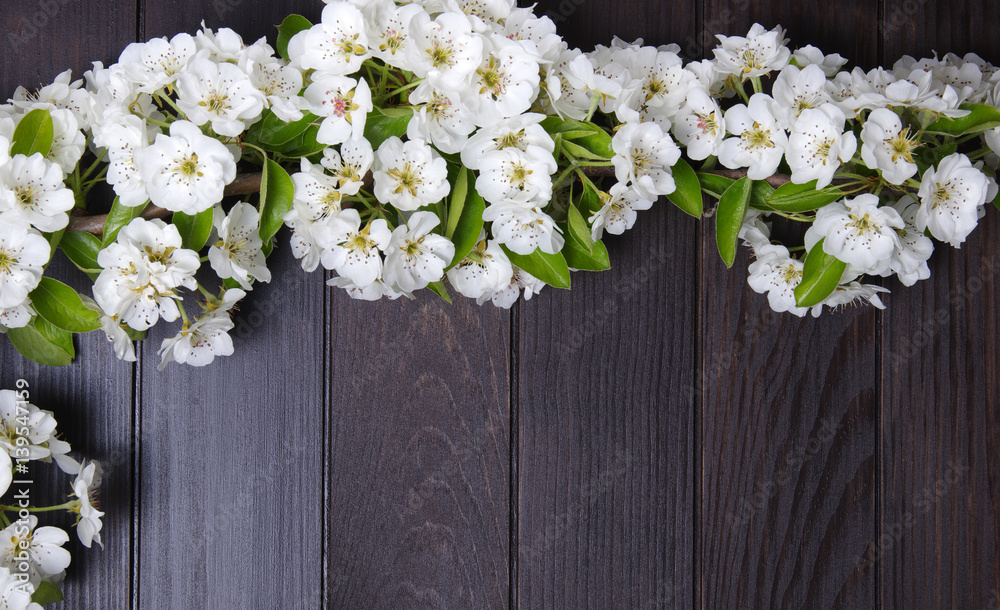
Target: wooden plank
(419, 445)
(940, 484)
(92, 398)
(231, 459)
(606, 465)
(606, 471)
(789, 406)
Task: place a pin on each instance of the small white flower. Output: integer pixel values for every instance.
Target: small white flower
(818, 145)
(280, 85)
(6, 472)
(26, 428)
(61, 93)
(123, 345)
(486, 269)
(521, 281)
(121, 140)
(618, 212)
(208, 337)
(23, 255)
(349, 249)
(15, 594)
(345, 104)
(858, 232)
(185, 171)
(445, 50)
(16, 317)
(796, 90)
(950, 199)
(68, 142)
(409, 175)
(141, 273)
(522, 132)
(810, 55)
(218, 93)
(151, 65)
(509, 175)
(523, 229)
(238, 253)
(909, 261)
(416, 257)
(389, 30)
(776, 274)
(88, 525)
(756, 54)
(32, 188)
(372, 292)
(440, 118)
(700, 125)
(643, 158)
(350, 165)
(850, 293)
(40, 549)
(760, 143)
(886, 146)
(504, 84)
(337, 45)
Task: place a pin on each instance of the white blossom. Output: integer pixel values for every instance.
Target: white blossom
(238, 253)
(857, 231)
(40, 549)
(336, 45)
(206, 338)
(523, 229)
(343, 102)
(32, 189)
(485, 269)
(818, 145)
(185, 171)
(23, 255)
(351, 250)
(887, 146)
(618, 211)
(218, 93)
(414, 256)
(409, 175)
(760, 141)
(755, 54)
(950, 199)
(643, 158)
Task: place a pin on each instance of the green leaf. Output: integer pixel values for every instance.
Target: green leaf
(384, 124)
(577, 229)
(62, 307)
(729, 218)
(46, 593)
(82, 249)
(43, 343)
(119, 216)
(456, 204)
(276, 194)
(568, 128)
(714, 184)
(687, 196)
(597, 143)
(303, 145)
(469, 225)
(821, 274)
(292, 25)
(550, 268)
(33, 134)
(439, 289)
(980, 118)
(276, 132)
(577, 257)
(759, 193)
(581, 152)
(801, 197)
(196, 229)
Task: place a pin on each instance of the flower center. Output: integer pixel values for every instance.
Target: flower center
(519, 175)
(216, 103)
(902, 146)
(349, 46)
(943, 194)
(757, 137)
(406, 179)
(790, 275)
(440, 55)
(492, 79)
(864, 224)
(25, 196)
(6, 262)
(189, 167)
(413, 248)
(392, 42)
(343, 104)
(707, 123)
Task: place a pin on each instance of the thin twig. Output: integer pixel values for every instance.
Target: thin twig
(244, 184)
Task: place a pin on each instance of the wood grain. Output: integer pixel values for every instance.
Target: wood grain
(606, 471)
(231, 458)
(92, 399)
(788, 406)
(419, 446)
(939, 521)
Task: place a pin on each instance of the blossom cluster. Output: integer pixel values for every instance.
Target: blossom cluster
(33, 557)
(465, 146)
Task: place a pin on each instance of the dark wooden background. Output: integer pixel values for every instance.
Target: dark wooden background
(655, 438)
